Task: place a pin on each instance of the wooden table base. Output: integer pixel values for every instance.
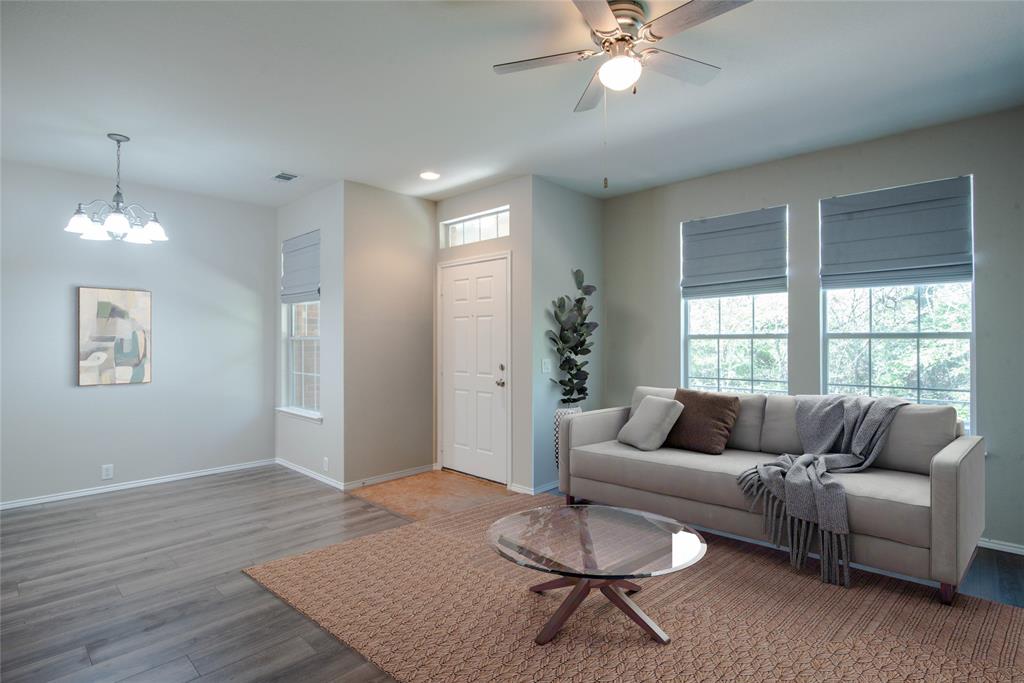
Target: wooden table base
(616, 590)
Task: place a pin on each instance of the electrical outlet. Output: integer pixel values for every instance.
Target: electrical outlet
(325, 464)
(106, 471)
(545, 366)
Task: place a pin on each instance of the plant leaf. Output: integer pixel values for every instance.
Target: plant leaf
(588, 289)
(577, 276)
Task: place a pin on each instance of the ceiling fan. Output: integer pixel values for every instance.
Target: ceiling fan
(618, 28)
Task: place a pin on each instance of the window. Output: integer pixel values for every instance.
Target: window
(735, 304)
(304, 356)
(738, 344)
(910, 341)
(487, 225)
(896, 267)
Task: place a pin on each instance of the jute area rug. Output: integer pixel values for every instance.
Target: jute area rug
(430, 601)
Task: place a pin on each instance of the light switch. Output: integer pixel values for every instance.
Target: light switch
(545, 366)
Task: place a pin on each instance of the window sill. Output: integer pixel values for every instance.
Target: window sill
(299, 413)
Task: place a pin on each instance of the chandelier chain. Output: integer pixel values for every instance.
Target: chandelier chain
(117, 168)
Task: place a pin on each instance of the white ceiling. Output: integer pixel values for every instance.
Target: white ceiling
(218, 97)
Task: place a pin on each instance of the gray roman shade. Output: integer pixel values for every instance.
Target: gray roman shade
(300, 268)
(916, 234)
(743, 253)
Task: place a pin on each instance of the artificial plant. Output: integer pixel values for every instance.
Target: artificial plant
(571, 339)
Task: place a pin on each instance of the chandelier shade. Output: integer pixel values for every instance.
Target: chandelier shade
(79, 222)
(100, 220)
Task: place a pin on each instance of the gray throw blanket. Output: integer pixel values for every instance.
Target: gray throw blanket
(839, 433)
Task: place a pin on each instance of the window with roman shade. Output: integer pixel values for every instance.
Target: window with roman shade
(915, 234)
(300, 268)
(742, 253)
(897, 297)
(736, 313)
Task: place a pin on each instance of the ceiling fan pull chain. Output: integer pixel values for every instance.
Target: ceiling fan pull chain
(604, 143)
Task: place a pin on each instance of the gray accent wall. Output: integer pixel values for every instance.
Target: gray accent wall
(566, 235)
(210, 403)
(642, 246)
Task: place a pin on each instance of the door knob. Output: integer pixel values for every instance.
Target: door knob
(500, 382)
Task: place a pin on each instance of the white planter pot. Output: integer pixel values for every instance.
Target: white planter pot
(559, 414)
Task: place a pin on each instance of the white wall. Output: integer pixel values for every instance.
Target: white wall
(211, 398)
(390, 245)
(518, 195)
(566, 236)
(300, 441)
(641, 243)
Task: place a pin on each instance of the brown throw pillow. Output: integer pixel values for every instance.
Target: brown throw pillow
(705, 423)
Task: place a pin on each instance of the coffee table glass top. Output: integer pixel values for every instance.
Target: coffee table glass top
(596, 541)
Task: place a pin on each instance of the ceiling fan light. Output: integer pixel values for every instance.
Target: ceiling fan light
(116, 222)
(620, 72)
(79, 222)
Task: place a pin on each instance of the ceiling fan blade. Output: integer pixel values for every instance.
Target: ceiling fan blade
(598, 16)
(686, 16)
(549, 60)
(677, 66)
(591, 96)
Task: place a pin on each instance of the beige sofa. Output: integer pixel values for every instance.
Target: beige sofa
(918, 511)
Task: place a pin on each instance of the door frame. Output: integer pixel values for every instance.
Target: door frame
(439, 354)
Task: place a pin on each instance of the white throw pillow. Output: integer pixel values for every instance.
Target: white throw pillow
(651, 422)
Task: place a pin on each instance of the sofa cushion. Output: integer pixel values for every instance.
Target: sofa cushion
(673, 472)
(882, 503)
(640, 392)
(746, 433)
(778, 434)
(917, 433)
(650, 423)
(889, 504)
(706, 423)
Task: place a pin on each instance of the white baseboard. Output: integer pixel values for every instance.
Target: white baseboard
(359, 483)
(543, 488)
(108, 488)
(518, 488)
(323, 478)
(1006, 547)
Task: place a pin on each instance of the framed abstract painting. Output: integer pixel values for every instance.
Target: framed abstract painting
(114, 336)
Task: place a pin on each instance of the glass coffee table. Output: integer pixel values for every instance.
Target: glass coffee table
(596, 547)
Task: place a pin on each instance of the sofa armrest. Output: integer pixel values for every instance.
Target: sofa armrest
(592, 426)
(958, 507)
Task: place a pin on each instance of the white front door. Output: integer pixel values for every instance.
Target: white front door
(475, 397)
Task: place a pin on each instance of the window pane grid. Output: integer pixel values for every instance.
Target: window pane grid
(480, 227)
(934, 366)
(304, 356)
(728, 353)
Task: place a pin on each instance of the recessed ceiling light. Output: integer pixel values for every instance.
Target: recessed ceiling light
(430, 175)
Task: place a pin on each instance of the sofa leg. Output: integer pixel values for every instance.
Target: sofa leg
(947, 592)
(570, 500)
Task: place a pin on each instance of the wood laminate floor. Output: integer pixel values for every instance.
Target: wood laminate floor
(144, 584)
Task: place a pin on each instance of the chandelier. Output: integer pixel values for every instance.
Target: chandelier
(115, 220)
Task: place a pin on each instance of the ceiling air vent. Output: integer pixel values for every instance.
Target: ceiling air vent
(285, 177)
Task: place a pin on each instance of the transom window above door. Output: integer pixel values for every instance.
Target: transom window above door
(477, 227)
